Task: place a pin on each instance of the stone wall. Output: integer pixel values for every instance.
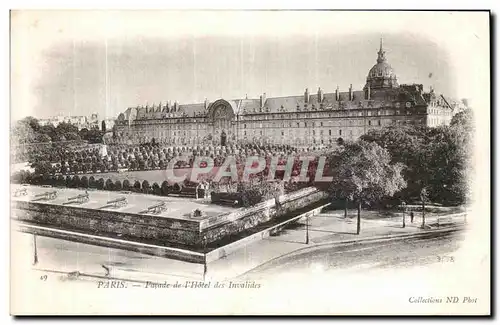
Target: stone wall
(245, 218)
(154, 250)
(161, 230)
(149, 227)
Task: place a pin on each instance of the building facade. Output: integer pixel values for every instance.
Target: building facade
(81, 122)
(310, 119)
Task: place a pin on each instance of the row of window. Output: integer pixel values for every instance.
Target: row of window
(260, 132)
(322, 115)
(298, 124)
(311, 124)
(282, 124)
(178, 125)
(290, 132)
(438, 111)
(435, 121)
(184, 133)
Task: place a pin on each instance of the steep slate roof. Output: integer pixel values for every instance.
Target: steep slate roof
(192, 109)
(247, 105)
(379, 98)
(290, 103)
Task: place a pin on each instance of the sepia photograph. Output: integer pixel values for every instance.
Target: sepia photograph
(250, 162)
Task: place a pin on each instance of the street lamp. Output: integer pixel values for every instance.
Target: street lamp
(307, 229)
(423, 197)
(403, 204)
(35, 252)
(204, 257)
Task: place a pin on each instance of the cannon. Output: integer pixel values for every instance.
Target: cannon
(47, 195)
(80, 198)
(21, 192)
(156, 209)
(117, 203)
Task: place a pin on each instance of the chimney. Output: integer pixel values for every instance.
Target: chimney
(306, 96)
(350, 92)
(337, 95)
(368, 93)
(206, 103)
(262, 99)
(320, 95)
(176, 106)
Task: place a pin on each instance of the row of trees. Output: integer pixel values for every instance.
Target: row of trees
(33, 142)
(28, 130)
(71, 161)
(92, 182)
(437, 159)
(405, 164)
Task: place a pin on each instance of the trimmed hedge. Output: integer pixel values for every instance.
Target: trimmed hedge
(126, 185)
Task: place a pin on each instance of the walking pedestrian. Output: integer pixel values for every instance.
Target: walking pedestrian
(411, 216)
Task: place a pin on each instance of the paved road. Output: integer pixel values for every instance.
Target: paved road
(66, 256)
(436, 248)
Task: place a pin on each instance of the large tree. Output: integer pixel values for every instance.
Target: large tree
(464, 120)
(64, 128)
(363, 173)
(407, 145)
(450, 164)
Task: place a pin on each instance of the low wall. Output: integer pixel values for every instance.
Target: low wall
(221, 252)
(161, 251)
(162, 230)
(219, 227)
(148, 227)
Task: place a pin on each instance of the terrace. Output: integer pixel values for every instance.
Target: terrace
(175, 207)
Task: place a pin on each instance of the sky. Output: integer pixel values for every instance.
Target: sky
(76, 63)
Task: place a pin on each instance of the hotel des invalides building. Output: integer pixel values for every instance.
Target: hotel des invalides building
(312, 119)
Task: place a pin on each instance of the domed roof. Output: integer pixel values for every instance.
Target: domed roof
(382, 69)
(381, 75)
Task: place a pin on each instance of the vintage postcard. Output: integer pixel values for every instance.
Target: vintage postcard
(260, 162)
